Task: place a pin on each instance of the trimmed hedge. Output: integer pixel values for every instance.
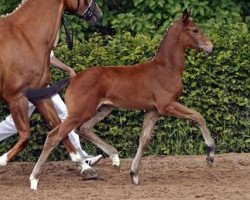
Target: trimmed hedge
(217, 86)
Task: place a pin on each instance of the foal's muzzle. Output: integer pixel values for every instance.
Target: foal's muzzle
(206, 47)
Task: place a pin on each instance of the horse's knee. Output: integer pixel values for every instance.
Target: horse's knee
(24, 138)
(144, 140)
(52, 138)
(52, 133)
(82, 129)
(51, 142)
(84, 132)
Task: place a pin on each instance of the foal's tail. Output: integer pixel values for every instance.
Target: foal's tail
(46, 92)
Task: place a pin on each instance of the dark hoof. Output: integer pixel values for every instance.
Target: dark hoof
(117, 168)
(210, 161)
(89, 174)
(210, 153)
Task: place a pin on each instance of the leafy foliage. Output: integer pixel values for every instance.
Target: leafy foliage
(7, 6)
(147, 16)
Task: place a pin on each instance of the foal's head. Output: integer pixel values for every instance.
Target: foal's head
(87, 9)
(191, 35)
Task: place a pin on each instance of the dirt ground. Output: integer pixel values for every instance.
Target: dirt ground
(164, 177)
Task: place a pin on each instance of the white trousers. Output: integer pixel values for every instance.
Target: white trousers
(8, 128)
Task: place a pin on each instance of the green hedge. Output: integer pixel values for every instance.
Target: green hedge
(147, 16)
(217, 86)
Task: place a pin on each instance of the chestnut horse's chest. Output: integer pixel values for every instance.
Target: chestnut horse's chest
(21, 69)
(24, 60)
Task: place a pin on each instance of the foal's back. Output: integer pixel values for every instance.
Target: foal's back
(130, 87)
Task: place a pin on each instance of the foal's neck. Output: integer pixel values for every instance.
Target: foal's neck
(171, 52)
(39, 21)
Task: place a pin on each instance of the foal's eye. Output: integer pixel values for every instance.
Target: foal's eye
(195, 30)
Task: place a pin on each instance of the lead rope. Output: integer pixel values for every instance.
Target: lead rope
(69, 37)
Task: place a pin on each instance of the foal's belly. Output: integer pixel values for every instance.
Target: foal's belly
(129, 104)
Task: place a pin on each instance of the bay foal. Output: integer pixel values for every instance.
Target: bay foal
(154, 86)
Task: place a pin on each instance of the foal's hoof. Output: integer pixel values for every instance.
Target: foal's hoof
(116, 162)
(210, 161)
(87, 171)
(134, 178)
(210, 154)
(117, 168)
(89, 174)
(33, 182)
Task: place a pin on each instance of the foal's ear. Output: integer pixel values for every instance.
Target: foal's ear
(185, 17)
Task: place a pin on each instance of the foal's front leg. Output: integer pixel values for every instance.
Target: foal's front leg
(150, 119)
(175, 109)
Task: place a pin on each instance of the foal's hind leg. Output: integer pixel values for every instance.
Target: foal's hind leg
(85, 131)
(177, 110)
(19, 111)
(150, 119)
(47, 110)
(53, 138)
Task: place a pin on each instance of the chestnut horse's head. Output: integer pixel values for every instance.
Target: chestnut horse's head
(192, 36)
(86, 9)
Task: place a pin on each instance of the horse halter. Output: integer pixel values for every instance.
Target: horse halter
(89, 11)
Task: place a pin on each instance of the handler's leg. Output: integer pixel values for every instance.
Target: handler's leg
(8, 127)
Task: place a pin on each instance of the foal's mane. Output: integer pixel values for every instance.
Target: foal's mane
(16, 9)
(173, 26)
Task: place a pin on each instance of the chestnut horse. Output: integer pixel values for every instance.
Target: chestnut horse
(27, 36)
(154, 86)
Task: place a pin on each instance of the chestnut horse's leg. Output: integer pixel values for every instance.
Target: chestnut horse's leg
(85, 131)
(149, 121)
(175, 109)
(19, 110)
